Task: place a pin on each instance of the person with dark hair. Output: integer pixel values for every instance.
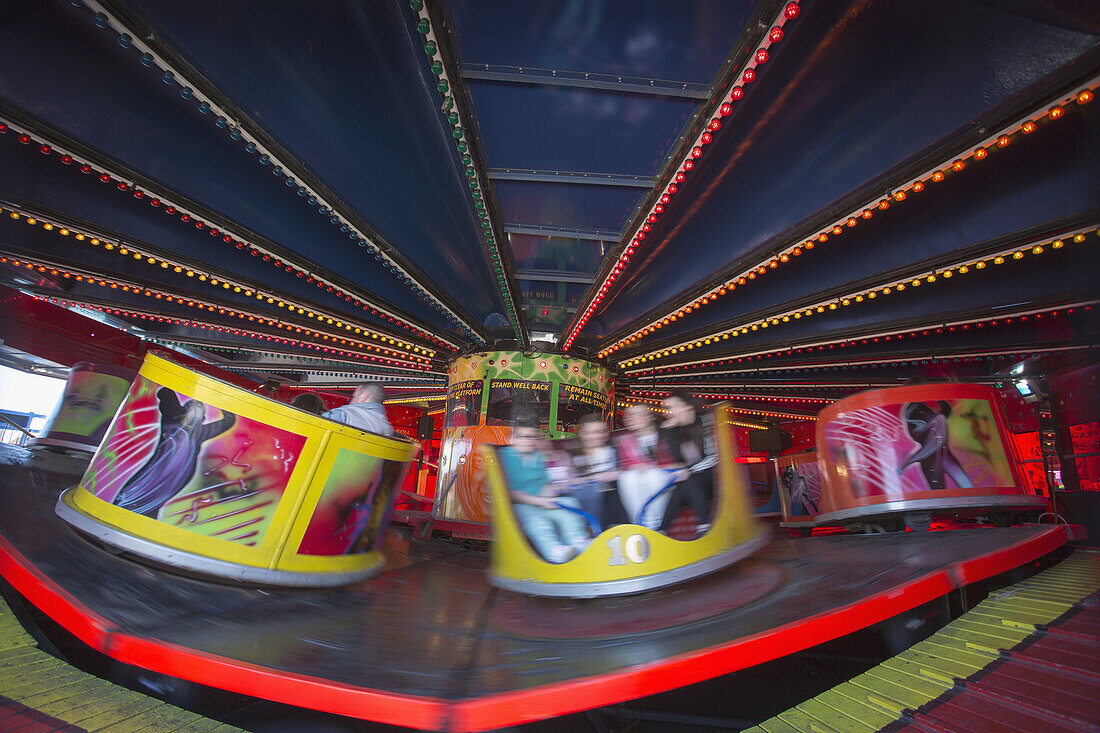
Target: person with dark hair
(556, 533)
(309, 402)
(596, 471)
(692, 451)
(364, 411)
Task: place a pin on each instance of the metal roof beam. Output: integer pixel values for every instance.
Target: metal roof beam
(539, 230)
(589, 179)
(553, 276)
(585, 80)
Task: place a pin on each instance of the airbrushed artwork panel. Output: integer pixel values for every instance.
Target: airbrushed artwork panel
(92, 395)
(192, 465)
(353, 506)
(799, 485)
(897, 449)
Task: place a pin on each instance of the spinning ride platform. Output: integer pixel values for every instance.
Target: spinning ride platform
(429, 644)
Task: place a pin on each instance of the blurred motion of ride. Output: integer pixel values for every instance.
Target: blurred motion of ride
(206, 478)
(898, 457)
(626, 558)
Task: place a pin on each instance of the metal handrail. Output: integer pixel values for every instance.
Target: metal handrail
(17, 426)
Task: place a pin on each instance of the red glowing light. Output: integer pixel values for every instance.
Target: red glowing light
(791, 11)
(725, 109)
(715, 124)
(749, 76)
(776, 34)
(761, 56)
(695, 153)
(736, 94)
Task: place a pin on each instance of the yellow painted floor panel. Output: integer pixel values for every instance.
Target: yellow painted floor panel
(38, 687)
(879, 697)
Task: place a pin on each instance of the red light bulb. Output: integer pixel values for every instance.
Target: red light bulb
(689, 164)
(792, 10)
(695, 153)
(714, 124)
(776, 34)
(761, 56)
(679, 178)
(749, 76)
(665, 199)
(672, 188)
(736, 94)
(725, 109)
(706, 138)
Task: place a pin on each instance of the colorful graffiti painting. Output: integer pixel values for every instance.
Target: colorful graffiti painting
(352, 508)
(194, 466)
(800, 481)
(919, 446)
(462, 471)
(92, 395)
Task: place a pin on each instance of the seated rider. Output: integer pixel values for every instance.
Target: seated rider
(556, 533)
(596, 472)
(364, 411)
(693, 452)
(645, 468)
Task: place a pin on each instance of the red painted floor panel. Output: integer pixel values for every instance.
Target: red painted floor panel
(1048, 682)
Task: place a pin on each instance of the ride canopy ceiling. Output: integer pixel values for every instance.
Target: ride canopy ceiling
(360, 189)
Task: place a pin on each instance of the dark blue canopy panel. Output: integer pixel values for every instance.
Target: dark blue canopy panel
(579, 105)
(852, 93)
(697, 192)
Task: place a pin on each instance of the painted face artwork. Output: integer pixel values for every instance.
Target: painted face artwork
(929, 428)
(896, 449)
(193, 466)
(174, 460)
